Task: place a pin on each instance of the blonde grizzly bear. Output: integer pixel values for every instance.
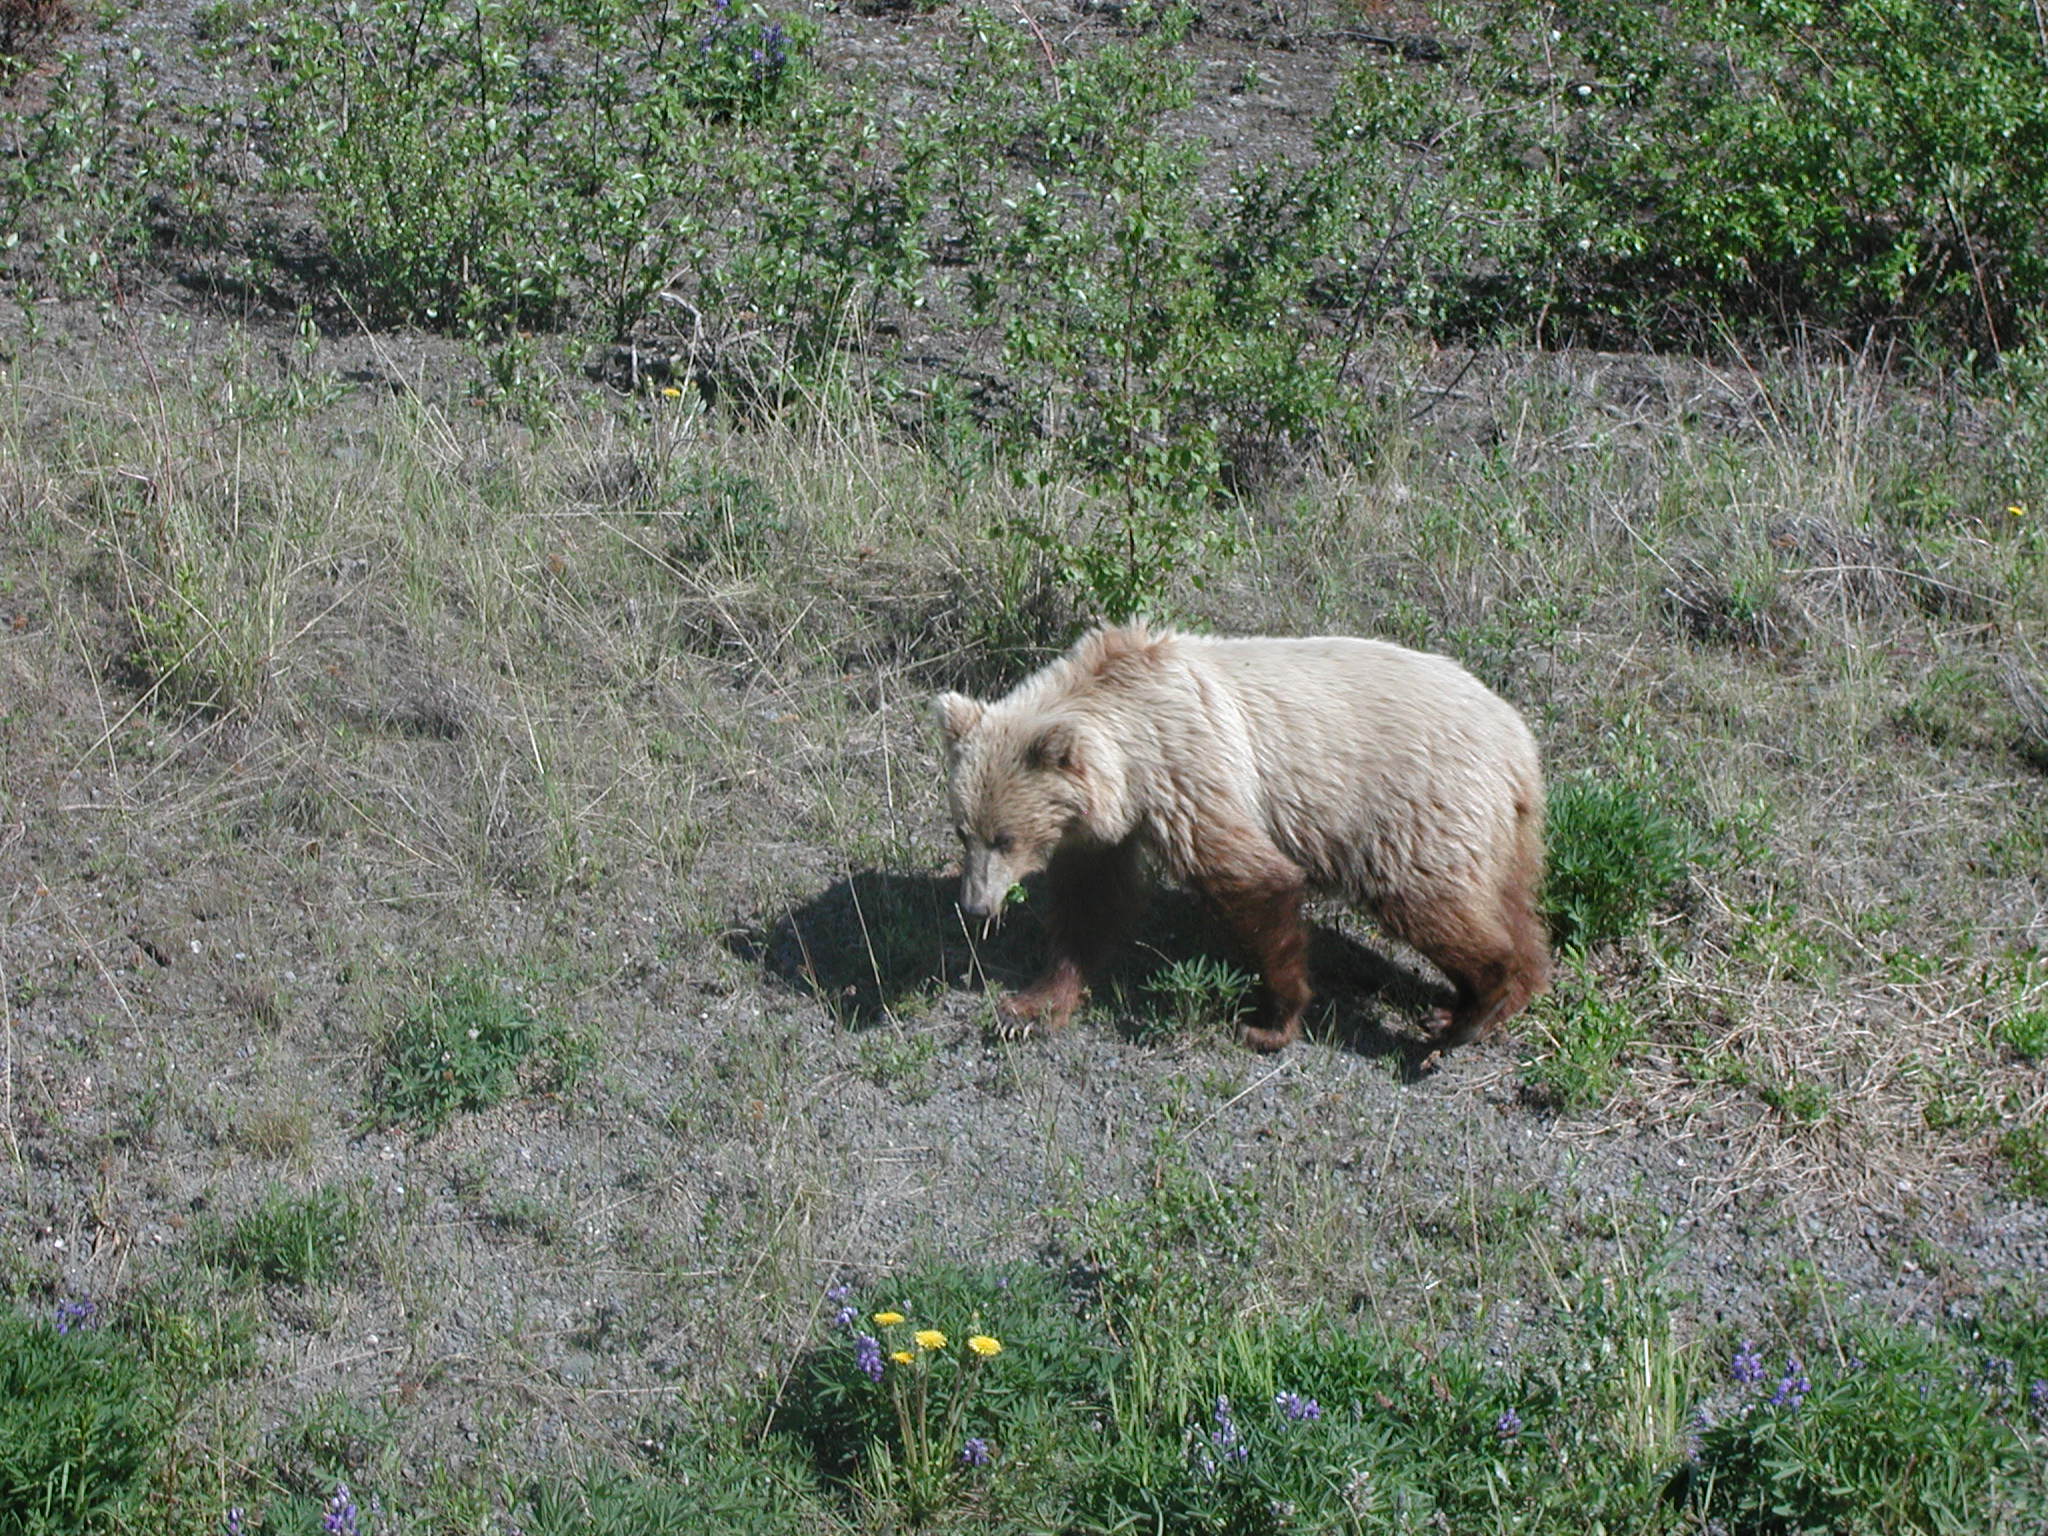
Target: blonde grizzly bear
(1255, 770)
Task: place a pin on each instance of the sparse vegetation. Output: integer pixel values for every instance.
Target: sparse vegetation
(465, 1046)
(484, 491)
(289, 1239)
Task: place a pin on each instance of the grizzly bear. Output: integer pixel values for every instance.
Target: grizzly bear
(1255, 770)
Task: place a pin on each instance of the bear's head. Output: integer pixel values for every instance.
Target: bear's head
(1020, 782)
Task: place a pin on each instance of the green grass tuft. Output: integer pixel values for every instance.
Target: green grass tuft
(288, 1239)
(464, 1047)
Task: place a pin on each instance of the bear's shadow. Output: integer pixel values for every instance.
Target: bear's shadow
(877, 940)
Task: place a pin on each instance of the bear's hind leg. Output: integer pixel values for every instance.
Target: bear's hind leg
(1258, 890)
(1091, 893)
(1497, 961)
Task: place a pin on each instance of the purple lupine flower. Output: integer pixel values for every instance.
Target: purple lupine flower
(72, 1314)
(1224, 1436)
(341, 1513)
(974, 1452)
(1793, 1387)
(1295, 1407)
(867, 1354)
(1508, 1425)
(840, 1294)
(2037, 1398)
(235, 1520)
(1748, 1365)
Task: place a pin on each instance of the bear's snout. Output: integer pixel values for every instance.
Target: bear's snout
(985, 882)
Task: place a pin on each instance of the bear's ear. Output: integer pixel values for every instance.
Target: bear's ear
(957, 715)
(1057, 747)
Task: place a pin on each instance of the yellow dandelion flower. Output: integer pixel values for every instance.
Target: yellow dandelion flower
(930, 1338)
(985, 1346)
(903, 1357)
(888, 1319)
(2018, 509)
(671, 393)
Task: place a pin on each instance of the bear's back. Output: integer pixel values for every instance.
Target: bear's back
(1368, 757)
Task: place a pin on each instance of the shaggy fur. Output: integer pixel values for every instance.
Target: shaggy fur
(1256, 770)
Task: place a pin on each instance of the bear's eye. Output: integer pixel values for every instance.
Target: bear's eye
(1002, 843)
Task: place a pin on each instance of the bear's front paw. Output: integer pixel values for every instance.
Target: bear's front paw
(1272, 1037)
(1451, 1029)
(1011, 1027)
(1038, 1011)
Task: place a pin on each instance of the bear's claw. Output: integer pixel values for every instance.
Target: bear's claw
(1030, 1013)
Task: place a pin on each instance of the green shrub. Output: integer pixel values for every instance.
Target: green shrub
(2026, 1033)
(81, 159)
(78, 1434)
(728, 519)
(1761, 166)
(2024, 1150)
(1582, 1030)
(26, 30)
(1167, 343)
(1615, 857)
(492, 164)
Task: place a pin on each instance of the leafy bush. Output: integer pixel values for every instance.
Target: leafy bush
(78, 1437)
(727, 518)
(1615, 857)
(1168, 341)
(26, 28)
(1584, 1027)
(2024, 1150)
(487, 164)
(2025, 1033)
(60, 195)
(1762, 166)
